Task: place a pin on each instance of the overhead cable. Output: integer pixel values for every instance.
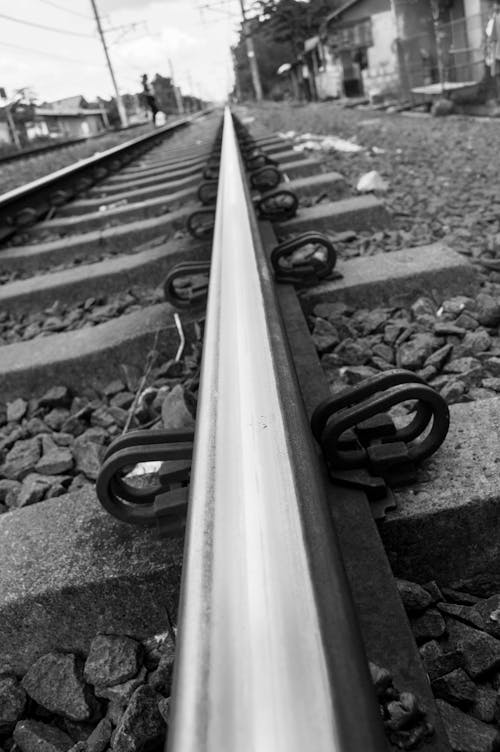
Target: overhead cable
(48, 54)
(67, 10)
(46, 28)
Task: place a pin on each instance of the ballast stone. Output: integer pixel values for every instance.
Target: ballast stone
(35, 736)
(12, 702)
(142, 723)
(56, 683)
(455, 687)
(120, 694)
(413, 595)
(467, 734)
(21, 459)
(481, 651)
(100, 736)
(112, 660)
(485, 704)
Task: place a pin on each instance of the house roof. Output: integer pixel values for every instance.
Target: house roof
(68, 104)
(335, 13)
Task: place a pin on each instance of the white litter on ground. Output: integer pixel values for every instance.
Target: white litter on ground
(372, 181)
(321, 142)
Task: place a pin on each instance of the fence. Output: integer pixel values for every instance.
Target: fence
(447, 53)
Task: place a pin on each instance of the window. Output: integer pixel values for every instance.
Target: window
(356, 34)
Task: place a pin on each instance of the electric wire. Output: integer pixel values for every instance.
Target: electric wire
(48, 54)
(46, 28)
(67, 10)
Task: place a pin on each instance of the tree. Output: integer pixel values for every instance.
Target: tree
(269, 56)
(292, 21)
(279, 29)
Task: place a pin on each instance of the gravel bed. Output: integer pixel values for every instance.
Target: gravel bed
(115, 697)
(441, 174)
(24, 171)
(454, 346)
(54, 445)
(458, 633)
(60, 317)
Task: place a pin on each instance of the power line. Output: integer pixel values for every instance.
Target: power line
(67, 10)
(47, 54)
(47, 28)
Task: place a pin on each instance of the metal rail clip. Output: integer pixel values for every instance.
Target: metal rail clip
(277, 206)
(257, 159)
(201, 223)
(165, 503)
(362, 446)
(211, 172)
(265, 178)
(304, 260)
(207, 192)
(187, 284)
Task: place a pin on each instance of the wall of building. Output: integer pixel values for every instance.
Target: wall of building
(382, 75)
(476, 13)
(329, 80)
(4, 133)
(413, 17)
(76, 127)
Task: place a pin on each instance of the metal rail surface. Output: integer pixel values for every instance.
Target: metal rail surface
(264, 660)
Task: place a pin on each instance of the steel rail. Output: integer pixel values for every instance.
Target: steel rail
(269, 653)
(37, 194)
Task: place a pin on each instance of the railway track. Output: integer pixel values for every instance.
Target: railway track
(37, 151)
(299, 502)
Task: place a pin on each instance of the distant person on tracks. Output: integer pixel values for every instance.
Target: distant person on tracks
(149, 98)
(492, 48)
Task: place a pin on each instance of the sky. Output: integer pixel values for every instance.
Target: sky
(55, 65)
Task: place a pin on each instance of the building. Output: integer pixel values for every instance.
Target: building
(360, 37)
(69, 118)
(324, 74)
(385, 49)
(440, 45)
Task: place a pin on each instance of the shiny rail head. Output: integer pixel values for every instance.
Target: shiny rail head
(263, 662)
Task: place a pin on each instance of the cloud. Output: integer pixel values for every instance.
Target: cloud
(59, 66)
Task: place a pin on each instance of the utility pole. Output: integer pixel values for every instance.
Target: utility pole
(119, 103)
(177, 91)
(251, 54)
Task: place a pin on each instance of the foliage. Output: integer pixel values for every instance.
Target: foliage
(293, 21)
(269, 57)
(279, 29)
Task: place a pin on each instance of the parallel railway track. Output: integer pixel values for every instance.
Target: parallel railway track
(287, 593)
